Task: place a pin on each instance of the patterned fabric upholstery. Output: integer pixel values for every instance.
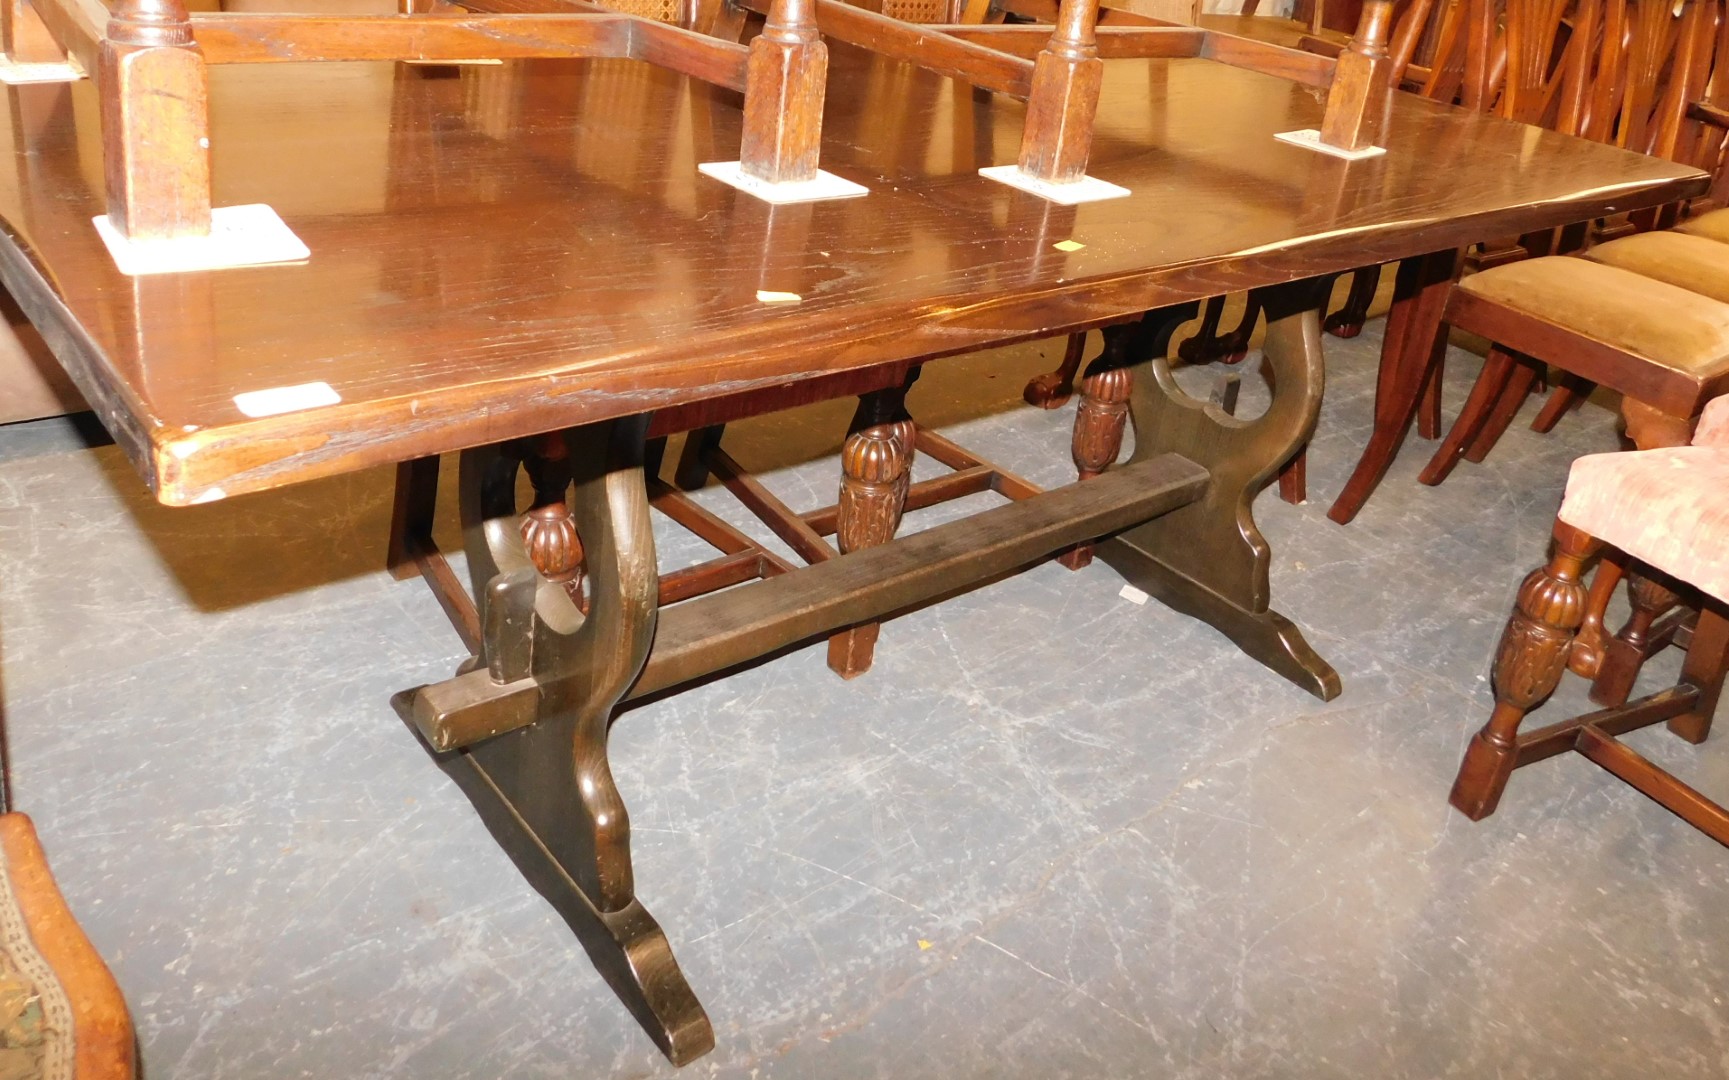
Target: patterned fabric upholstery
(1713, 429)
(1667, 508)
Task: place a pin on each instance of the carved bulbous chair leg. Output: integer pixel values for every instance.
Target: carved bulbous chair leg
(876, 471)
(1528, 665)
(1100, 420)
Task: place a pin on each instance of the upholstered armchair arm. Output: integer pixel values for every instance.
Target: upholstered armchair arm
(1713, 429)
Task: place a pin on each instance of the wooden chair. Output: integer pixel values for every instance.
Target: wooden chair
(1665, 512)
(1633, 314)
(1635, 88)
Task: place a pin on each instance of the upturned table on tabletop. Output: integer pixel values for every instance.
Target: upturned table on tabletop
(514, 250)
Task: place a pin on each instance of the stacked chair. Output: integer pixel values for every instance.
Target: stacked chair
(1634, 74)
(1645, 315)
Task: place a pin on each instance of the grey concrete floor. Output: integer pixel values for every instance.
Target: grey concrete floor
(1053, 833)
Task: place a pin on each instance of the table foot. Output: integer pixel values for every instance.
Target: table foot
(1209, 559)
(627, 946)
(1266, 636)
(545, 789)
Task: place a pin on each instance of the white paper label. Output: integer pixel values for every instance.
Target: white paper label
(286, 399)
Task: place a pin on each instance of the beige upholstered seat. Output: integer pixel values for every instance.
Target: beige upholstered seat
(1689, 262)
(1712, 226)
(1650, 319)
(1667, 508)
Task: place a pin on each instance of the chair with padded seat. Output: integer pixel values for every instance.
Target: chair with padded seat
(1664, 513)
(1641, 314)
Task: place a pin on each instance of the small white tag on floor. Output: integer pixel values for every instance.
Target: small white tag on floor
(1133, 595)
(286, 399)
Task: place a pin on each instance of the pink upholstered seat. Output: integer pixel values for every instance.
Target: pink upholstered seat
(1666, 508)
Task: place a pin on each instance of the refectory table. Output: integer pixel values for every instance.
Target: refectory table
(505, 251)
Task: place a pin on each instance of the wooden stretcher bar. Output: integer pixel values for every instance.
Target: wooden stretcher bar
(722, 630)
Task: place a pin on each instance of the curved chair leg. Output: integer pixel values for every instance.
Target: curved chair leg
(1491, 384)
(1567, 394)
(1429, 406)
(1528, 666)
(1207, 344)
(1414, 344)
(1236, 343)
(1053, 389)
(1347, 322)
(1519, 385)
(1586, 657)
(1649, 428)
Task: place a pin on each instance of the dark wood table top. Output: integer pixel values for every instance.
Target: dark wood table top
(527, 247)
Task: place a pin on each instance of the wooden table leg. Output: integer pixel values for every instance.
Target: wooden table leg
(1409, 352)
(545, 790)
(1208, 559)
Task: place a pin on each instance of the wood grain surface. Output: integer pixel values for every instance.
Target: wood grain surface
(512, 249)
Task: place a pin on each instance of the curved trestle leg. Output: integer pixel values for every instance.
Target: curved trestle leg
(545, 790)
(1208, 558)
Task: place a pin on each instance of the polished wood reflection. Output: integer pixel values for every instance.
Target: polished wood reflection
(487, 265)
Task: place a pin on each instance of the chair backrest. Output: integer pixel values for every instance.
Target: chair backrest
(677, 12)
(1654, 62)
(1542, 48)
(1463, 49)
